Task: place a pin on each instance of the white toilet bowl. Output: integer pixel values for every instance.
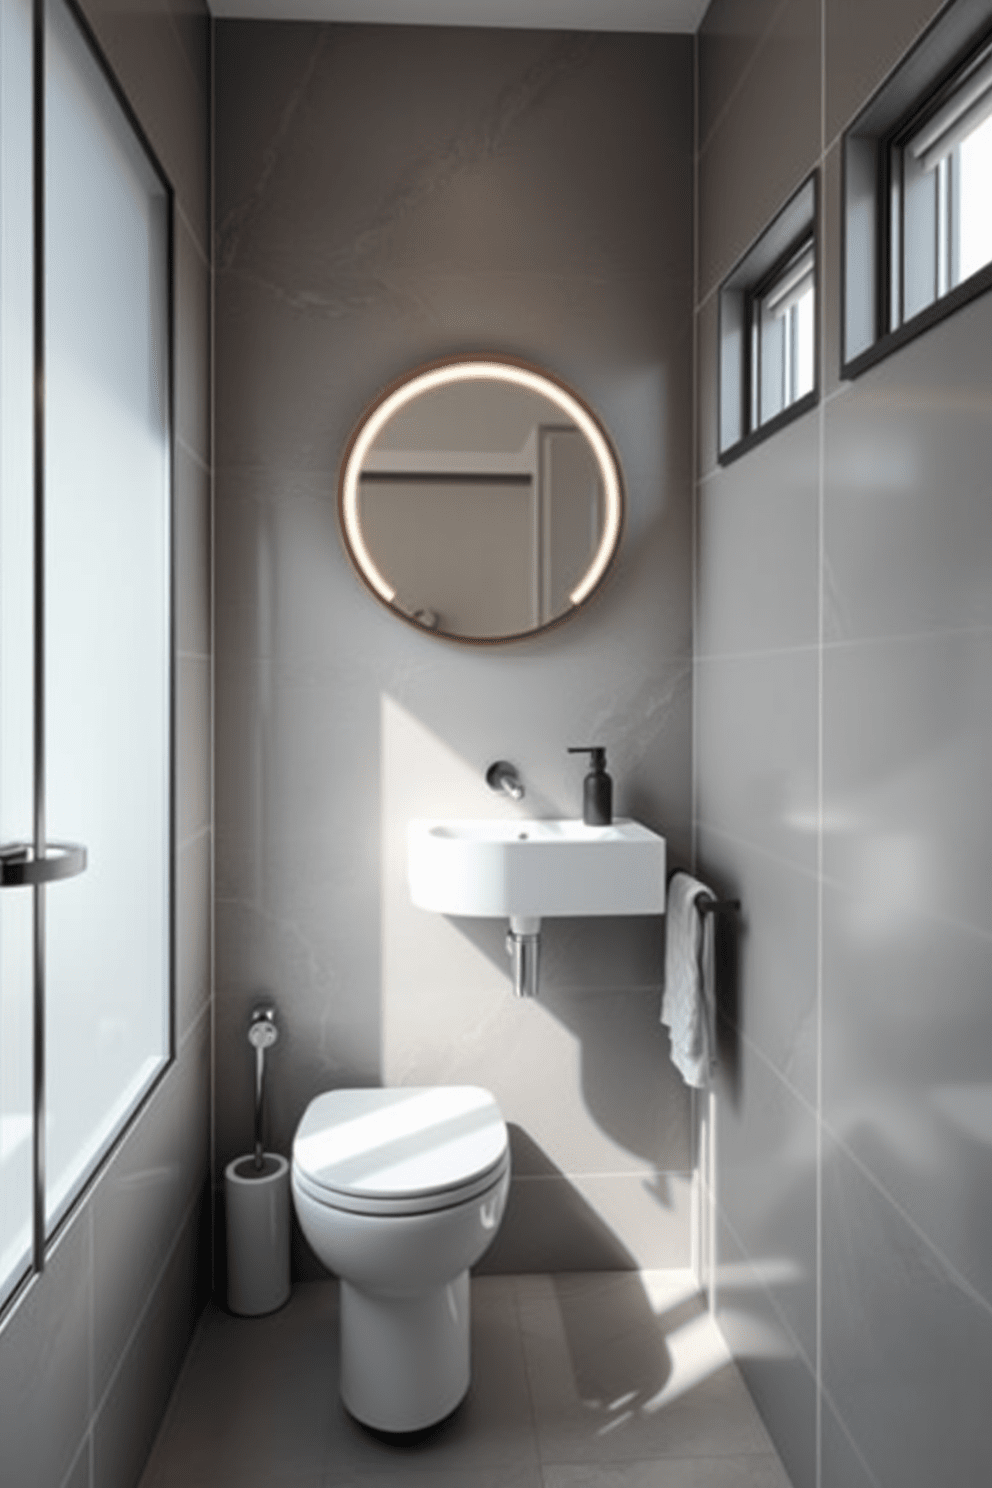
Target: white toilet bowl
(400, 1192)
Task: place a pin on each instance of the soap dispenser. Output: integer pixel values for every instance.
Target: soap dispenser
(597, 788)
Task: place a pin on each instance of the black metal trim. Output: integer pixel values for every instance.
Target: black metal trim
(751, 292)
(890, 341)
(38, 1020)
(765, 431)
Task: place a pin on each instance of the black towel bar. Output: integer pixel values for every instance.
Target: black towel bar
(717, 906)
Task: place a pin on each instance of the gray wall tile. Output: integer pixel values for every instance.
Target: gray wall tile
(776, 1373)
(169, 96)
(766, 1186)
(502, 201)
(192, 762)
(756, 751)
(863, 44)
(863, 892)
(153, 1178)
(193, 553)
(192, 355)
(45, 1373)
(132, 1408)
(193, 932)
(907, 520)
(730, 36)
(767, 506)
(900, 1327)
(751, 165)
(766, 978)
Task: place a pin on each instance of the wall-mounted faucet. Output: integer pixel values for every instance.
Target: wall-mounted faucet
(504, 777)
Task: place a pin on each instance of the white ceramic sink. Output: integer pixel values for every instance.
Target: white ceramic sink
(522, 868)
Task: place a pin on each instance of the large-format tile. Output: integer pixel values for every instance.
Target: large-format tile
(144, 49)
(45, 1373)
(907, 1351)
(194, 864)
(863, 42)
(907, 520)
(79, 1473)
(481, 125)
(621, 1372)
(842, 1466)
(762, 1471)
(907, 814)
(258, 1403)
(144, 1196)
(192, 540)
(906, 1030)
(594, 1222)
(730, 36)
(780, 1380)
(758, 540)
(192, 748)
(750, 164)
(766, 971)
(707, 385)
(756, 751)
(129, 1415)
(192, 344)
(766, 1184)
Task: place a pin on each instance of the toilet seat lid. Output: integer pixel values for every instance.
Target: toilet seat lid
(400, 1143)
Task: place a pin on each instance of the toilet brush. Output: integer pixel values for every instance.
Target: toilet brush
(256, 1191)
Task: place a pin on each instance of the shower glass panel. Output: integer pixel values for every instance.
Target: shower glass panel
(107, 611)
(16, 634)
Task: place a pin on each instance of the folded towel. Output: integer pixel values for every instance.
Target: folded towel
(688, 1004)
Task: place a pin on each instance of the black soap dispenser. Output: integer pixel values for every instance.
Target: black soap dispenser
(597, 788)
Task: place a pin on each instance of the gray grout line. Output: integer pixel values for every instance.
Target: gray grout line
(820, 735)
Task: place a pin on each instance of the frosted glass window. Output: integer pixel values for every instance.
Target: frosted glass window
(107, 622)
(16, 634)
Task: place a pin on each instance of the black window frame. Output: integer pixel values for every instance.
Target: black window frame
(795, 225)
(914, 92)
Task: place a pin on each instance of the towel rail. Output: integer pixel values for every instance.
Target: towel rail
(717, 906)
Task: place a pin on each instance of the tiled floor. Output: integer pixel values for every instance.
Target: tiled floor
(578, 1381)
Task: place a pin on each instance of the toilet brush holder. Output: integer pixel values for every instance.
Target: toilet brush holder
(258, 1206)
(256, 1194)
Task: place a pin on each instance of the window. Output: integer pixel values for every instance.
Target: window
(768, 343)
(85, 625)
(918, 192)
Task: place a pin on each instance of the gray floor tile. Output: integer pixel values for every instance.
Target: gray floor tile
(624, 1368)
(579, 1381)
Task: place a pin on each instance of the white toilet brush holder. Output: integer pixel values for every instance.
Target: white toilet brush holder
(257, 1204)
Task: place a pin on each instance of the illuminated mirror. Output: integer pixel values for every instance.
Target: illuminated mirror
(480, 500)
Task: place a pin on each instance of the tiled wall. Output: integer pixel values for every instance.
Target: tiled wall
(385, 196)
(842, 733)
(88, 1357)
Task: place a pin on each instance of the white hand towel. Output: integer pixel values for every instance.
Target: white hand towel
(688, 1004)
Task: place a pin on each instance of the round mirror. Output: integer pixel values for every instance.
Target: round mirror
(480, 500)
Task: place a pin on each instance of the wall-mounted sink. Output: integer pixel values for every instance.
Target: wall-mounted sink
(526, 869)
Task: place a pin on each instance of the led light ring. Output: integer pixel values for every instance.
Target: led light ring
(483, 371)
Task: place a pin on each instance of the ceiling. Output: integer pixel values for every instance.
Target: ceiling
(560, 15)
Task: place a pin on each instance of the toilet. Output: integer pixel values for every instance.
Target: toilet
(399, 1192)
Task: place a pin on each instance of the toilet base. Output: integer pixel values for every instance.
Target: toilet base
(404, 1360)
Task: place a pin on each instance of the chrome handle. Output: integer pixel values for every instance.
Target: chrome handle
(19, 866)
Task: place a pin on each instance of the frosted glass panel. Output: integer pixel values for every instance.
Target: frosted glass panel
(16, 633)
(107, 612)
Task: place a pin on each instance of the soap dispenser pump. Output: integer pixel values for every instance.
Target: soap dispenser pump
(597, 788)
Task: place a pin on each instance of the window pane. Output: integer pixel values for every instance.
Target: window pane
(107, 611)
(16, 633)
(973, 169)
(784, 337)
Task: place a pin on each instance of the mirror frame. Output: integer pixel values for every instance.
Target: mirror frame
(483, 367)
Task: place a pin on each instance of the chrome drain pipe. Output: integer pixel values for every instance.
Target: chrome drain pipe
(523, 946)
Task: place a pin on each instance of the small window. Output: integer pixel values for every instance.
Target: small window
(768, 330)
(918, 193)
